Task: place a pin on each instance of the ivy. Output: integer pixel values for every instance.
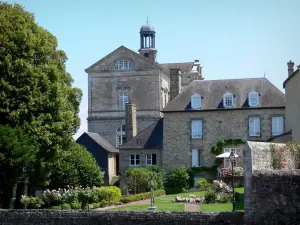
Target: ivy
(218, 148)
(204, 169)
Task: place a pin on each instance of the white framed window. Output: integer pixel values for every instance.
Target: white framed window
(253, 99)
(197, 158)
(123, 65)
(229, 150)
(196, 101)
(123, 99)
(277, 125)
(134, 160)
(150, 159)
(196, 129)
(254, 126)
(120, 136)
(228, 100)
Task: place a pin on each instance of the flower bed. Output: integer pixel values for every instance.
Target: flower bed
(74, 198)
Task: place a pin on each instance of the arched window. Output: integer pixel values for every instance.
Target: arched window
(228, 100)
(196, 101)
(253, 99)
(120, 136)
(124, 65)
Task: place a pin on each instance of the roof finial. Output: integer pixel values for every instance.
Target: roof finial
(264, 74)
(147, 19)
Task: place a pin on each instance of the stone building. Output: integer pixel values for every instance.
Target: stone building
(208, 110)
(126, 76)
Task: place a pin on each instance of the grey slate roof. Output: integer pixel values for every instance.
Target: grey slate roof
(102, 142)
(212, 94)
(150, 138)
(185, 67)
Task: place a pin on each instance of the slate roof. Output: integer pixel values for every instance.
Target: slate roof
(184, 67)
(212, 92)
(150, 138)
(290, 77)
(101, 141)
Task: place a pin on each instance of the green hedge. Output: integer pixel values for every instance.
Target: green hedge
(142, 196)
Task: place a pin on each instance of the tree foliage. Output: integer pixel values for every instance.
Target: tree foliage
(75, 167)
(17, 155)
(36, 92)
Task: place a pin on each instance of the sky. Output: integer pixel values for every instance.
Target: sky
(232, 38)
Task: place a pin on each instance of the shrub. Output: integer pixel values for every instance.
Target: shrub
(210, 196)
(75, 205)
(159, 176)
(177, 181)
(110, 194)
(137, 180)
(142, 196)
(65, 206)
(224, 197)
(31, 202)
(56, 207)
(203, 184)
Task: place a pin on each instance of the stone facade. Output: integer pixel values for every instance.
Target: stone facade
(217, 124)
(131, 126)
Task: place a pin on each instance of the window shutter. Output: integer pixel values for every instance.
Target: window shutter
(274, 126)
(195, 158)
(200, 128)
(201, 161)
(280, 125)
(153, 159)
(251, 126)
(257, 126)
(196, 101)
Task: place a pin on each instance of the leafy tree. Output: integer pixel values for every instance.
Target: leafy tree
(36, 92)
(17, 154)
(177, 181)
(75, 167)
(138, 180)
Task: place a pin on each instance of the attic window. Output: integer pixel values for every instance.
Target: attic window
(253, 99)
(123, 65)
(228, 100)
(196, 101)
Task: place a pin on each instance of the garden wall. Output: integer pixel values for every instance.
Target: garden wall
(271, 196)
(52, 217)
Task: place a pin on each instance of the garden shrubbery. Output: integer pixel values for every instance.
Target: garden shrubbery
(203, 184)
(177, 181)
(142, 196)
(77, 198)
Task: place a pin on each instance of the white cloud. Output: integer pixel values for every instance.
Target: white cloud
(83, 113)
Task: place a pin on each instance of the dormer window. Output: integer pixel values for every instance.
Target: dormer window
(124, 65)
(253, 99)
(196, 101)
(228, 100)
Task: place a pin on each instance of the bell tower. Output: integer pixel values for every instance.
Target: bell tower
(147, 42)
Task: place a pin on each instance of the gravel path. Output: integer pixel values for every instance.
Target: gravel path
(191, 207)
(147, 201)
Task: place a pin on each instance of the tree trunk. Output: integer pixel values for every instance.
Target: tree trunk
(7, 196)
(19, 193)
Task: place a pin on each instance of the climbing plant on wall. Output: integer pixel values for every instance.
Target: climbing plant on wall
(218, 148)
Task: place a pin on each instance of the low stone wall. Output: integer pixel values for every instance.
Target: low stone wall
(53, 217)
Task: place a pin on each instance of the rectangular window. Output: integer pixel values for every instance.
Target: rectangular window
(123, 99)
(196, 129)
(150, 159)
(277, 125)
(197, 158)
(228, 101)
(254, 126)
(134, 160)
(230, 150)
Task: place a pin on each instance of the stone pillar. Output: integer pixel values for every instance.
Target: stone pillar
(175, 83)
(290, 65)
(131, 126)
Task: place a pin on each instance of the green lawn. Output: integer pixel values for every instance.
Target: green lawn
(164, 203)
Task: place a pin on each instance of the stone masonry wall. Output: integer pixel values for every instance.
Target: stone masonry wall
(227, 124)
(271, 196)
(52, 217)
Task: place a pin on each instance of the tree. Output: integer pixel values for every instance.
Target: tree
(75, 167)
(17, 154)
(36, 92)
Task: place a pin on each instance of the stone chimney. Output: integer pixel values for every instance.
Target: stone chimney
(131, 126)
(290, 65)
(175, 82)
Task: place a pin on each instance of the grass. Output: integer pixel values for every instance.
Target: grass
(164, 203)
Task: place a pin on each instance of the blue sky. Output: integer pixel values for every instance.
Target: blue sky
(232, 38)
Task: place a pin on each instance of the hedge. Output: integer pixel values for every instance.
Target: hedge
(142, 196)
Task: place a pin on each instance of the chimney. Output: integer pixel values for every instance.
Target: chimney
(175, 82)
(290, 65)
(131, 129)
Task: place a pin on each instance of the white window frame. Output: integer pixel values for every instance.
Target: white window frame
(198, 161)
(277, 128)
(120, 134)
(256, 130)
(123, 99)
(135, 158)
(253, 95)
(196, 101)
(124, 64)
(226, 96)
(196, 129)
(149, 159)
(229, 150)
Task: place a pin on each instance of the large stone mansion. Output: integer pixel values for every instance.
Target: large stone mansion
(126, 76)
